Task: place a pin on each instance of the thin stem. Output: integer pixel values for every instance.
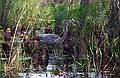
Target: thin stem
(24, 11)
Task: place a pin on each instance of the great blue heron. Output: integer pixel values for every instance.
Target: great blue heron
(56, 41)
(54, 38)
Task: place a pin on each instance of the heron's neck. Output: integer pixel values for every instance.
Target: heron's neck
(65, 32)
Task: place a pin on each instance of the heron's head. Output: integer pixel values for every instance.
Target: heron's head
(8, 30)
(37, 33)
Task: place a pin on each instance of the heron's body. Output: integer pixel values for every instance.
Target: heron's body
(49, 38)
(54, 38)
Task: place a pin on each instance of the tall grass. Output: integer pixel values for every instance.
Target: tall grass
(91, 37)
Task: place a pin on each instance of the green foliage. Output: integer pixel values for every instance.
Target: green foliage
(1, 32)
(60, 11)
(1, 67)
(94, 17)
(81, 62)
(18, 7)
(39, 15)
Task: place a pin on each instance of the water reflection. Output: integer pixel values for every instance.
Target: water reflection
(65, 75)
(71, 74)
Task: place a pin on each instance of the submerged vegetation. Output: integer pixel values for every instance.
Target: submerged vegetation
(94, 33)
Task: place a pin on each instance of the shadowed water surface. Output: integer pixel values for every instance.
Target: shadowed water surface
(65, 75)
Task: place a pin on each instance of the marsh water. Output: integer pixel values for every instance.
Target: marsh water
(74, 73)
(66, 75)
(53, 65)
